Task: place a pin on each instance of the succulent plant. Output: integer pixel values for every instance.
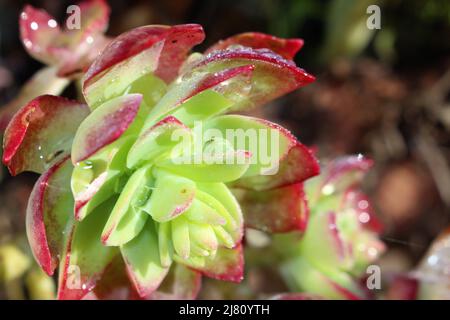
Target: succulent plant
(341, 240)
(66, 52)
(117, 187)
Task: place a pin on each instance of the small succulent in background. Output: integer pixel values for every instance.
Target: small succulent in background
(116, 194)
(65, 52)
(341, 239)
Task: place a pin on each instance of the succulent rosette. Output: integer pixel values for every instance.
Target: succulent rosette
(66, 51)
(129, 178)
(341, 240)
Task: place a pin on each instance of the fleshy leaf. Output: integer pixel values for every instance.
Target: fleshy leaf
(144, 270)
(49, 215)
(223, 201)
(171, 197)
(126, 220)
(149, 49)
(41, 133)
(180, 237)
(267, 142)
(202, 213)
(158, 140)
(273, 76)
(38, 31)
(114, 283)
(282, 209)
(203, 236)
(45, 81)
(184, 284)
(165, 244)
(324, 244)
(221, 168)
(85, 258)
(98, 178)
(104, 125)
(226, 265)
(287, 48)
(181, 37)
(213, 94)
(187, 283)
(200, 95)
(301, 275)
(298, 165)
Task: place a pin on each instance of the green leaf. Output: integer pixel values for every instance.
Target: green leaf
(165, 243)
(85, 256)
(172, 195)
(205, 168)
(143, 262)
(180, 237)
(49, 215)
(226, 265)
(233, 225)
(300, 275)
(119, 77)
(203, 235)
(324, 245)
(127, 219)
(203, 94)
(104, 125)
(99, 177)
(220, 193)
(202, 213)
(202, 107)
(267, 142)
(158, 141)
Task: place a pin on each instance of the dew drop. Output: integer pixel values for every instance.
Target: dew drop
(432, 260)
(34, 25)
(27, 43)
(328, 189)
(372, 252)
(364, 217)
(363, 204)
(52, 23)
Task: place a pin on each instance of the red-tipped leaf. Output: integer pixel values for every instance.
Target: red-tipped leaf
(287, 48)
(41, 133)
(282, 209)
(49, 215)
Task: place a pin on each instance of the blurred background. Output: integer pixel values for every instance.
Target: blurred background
(382, 93)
